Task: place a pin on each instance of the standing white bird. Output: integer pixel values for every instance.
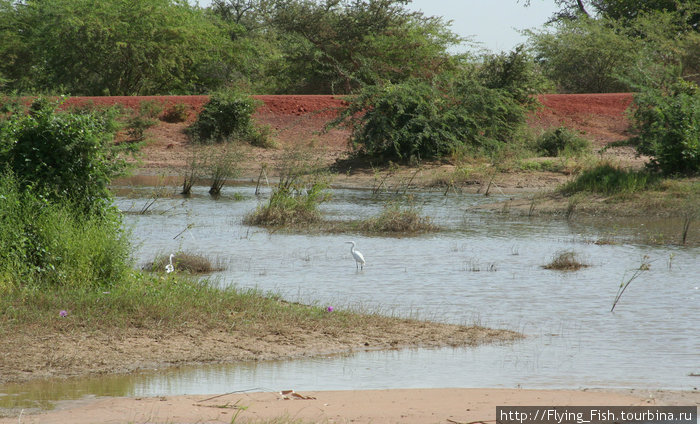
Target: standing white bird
(169, 267)
(359, 259)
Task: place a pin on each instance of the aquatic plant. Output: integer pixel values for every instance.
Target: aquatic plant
(566, 260)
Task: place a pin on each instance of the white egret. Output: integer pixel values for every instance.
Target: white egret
(359, 259)
(169, 267)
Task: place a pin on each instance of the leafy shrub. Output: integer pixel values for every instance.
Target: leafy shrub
(667, 122)
(418, 120)
(150, 108)
(48, 243)
(609, 179)
(178, 112)
(514, 72)
(63, 156)
(226, 117)
(561, 141)
(137, 125)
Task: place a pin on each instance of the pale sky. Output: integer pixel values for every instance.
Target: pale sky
(493, 23)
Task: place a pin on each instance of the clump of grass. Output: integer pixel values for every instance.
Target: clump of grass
(396, 218)
(297, 196)
(191, 263)
(609, 179)
(291, 205)
(565, 261)
(561, 141)
(178, 112)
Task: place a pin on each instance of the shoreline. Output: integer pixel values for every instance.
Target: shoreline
(408, 406)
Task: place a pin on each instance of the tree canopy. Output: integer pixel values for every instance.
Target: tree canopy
(139, 47)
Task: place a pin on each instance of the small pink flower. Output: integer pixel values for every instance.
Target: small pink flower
(329, 309)
(63, 314)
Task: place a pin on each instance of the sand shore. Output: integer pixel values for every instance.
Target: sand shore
(419, 406)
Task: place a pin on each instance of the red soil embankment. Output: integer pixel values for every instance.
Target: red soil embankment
(601, 117)
(299, 120)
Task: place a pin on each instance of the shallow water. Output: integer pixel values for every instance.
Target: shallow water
(486, 269)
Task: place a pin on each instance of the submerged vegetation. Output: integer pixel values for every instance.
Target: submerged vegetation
(295, 200)
(565, 261)
(397, 219)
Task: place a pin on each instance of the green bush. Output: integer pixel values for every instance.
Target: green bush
(226, 117)
(609, 179)
(63, 156)
(48, 243)
(419, 120)
(178, 112)
(667, 122)
(561, 141)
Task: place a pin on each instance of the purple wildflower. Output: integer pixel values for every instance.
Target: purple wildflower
(63, 314)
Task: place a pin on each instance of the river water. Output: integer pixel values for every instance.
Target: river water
(485, 268)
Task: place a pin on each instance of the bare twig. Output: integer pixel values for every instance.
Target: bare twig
(644, 266)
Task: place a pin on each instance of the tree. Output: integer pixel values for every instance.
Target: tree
(584, 55)
(115, 47)
(337, 46)
(623, 10)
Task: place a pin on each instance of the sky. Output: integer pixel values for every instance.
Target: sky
(493, 23)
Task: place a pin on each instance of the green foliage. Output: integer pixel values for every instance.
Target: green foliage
(584, 56)
(339, 46)
(48, 243)
(227, 116)
(514, 72)
(667, 121)
(63, 156)
(418, 120)
(110, 47)
(561, 142)
(609, 179)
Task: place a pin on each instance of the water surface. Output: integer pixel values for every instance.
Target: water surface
(486, 268)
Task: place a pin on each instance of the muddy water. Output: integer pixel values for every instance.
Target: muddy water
(486, 268)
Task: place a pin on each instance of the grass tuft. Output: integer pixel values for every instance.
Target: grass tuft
(609, 179)
(398, 219)
(565, 261)
(191, 263)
